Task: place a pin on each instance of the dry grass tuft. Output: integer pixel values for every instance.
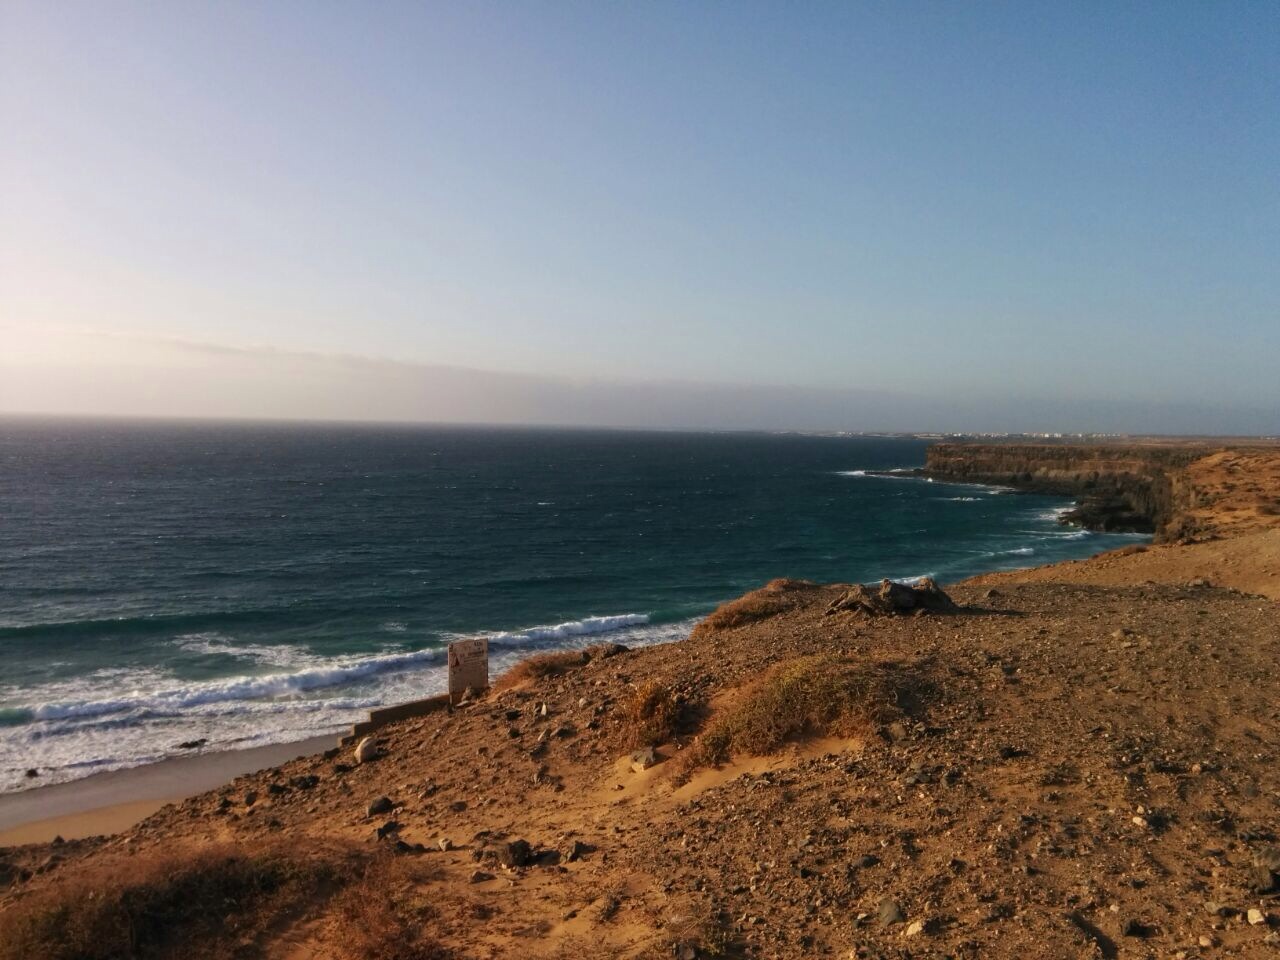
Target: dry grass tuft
(776, 596)
(202, 904)
(384, 916)
(649, 716)
(554, 664)
(824, 695)
(539, 666)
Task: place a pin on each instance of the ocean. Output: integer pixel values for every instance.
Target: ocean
(245, 584)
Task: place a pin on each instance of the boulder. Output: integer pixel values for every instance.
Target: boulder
(643, 759)
(366, 750)
(891, 597)
(378, 806)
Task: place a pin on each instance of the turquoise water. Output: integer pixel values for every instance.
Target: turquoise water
(248, 584)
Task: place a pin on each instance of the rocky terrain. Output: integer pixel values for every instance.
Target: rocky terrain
(1074, 761)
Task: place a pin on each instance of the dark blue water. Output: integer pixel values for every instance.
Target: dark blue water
(259, 583)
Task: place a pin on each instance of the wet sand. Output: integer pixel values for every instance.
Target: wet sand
(110, 802)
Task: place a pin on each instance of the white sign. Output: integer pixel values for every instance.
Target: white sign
(468, 667)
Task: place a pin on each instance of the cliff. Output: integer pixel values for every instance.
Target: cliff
(1140, 488)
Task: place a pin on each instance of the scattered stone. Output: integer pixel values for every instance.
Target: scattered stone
(516, 853)
(890, 912)
(643, 759)
(379, 805)
(1256, 917)
(685, 951)
(445, 844)
(1265, 870)
(250, 798)
(479, 876)
(576, 851)
(915, 928)
(367, 750)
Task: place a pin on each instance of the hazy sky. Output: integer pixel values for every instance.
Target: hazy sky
(1030, 215)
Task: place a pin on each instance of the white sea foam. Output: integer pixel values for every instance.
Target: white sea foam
(958, 499)
(279, 655)
(589, 626)
(77, 729)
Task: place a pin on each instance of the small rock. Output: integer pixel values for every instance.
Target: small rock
(517, 853)
(445, 844)
(481, 877)
(890, 912)
(366, 750)
(1207, 941)
(916, 927)
(643, 759)
(685, 951)
(576, 851)
(379, 805)
(1256, 917)
(250, 798)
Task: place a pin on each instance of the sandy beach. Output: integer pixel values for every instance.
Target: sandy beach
(109, 802)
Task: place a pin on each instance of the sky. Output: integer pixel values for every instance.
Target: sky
(863, 216)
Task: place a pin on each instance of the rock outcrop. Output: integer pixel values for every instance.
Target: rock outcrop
(889, 598)
(1119, 487)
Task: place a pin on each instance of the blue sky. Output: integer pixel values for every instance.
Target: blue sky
(1025, 206)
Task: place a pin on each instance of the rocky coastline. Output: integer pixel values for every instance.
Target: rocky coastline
(1065, 761)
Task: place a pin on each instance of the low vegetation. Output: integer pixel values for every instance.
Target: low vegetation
(775, 597)
(555, 664)
(649, 716)
(205, 904)
(384, 916)
(822, 695)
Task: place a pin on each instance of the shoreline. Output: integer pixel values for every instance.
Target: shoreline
(113, 801)
(109, 802)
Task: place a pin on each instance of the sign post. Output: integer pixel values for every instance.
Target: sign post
(468, 667)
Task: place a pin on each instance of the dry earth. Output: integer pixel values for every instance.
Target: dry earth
(1080, 761)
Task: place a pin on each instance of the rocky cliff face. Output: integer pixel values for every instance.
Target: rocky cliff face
(1118, 487)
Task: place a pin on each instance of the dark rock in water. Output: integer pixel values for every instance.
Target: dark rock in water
(33, 772)
(379, 805)
(192, 744)
(891, 598)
